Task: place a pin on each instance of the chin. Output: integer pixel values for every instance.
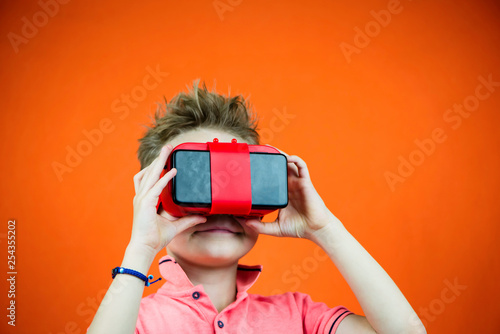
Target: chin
(216, 260)
(212, 250)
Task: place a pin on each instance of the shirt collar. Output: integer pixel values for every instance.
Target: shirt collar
(177, 280)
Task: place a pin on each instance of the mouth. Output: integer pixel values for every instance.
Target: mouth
(219, 225)
(218, 230)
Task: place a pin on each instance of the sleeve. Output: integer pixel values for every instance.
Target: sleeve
(318, 318)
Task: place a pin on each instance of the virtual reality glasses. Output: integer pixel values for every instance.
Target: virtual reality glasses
(225, 178)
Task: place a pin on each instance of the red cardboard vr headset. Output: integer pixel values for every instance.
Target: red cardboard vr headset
(225, 178)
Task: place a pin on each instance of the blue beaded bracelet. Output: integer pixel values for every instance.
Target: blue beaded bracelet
(121, 270)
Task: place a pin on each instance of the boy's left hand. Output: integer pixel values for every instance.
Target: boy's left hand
(306, 215)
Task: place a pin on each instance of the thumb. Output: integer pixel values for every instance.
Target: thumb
(188, 221)
(272, 228)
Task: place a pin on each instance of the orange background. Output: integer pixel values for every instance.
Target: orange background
(351, 122)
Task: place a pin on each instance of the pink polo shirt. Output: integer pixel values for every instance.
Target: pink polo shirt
(180, 307)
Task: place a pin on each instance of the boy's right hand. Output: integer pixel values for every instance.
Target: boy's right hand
(151, 230)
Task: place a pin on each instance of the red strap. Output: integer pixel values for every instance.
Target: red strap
(231, 178)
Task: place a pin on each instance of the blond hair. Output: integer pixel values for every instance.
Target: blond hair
(199, 108)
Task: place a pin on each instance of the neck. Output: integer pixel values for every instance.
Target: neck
(218, 282)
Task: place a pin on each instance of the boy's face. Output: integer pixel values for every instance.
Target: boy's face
(221, 240)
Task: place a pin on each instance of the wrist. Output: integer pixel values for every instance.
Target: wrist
(138, 257)
(330, 235)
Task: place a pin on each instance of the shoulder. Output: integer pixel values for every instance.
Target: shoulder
(355, 324)
(149, 301)
(287, 298)
(289, 303)
(315, 317)
(291, 299)
(156, 302)
(296, 303)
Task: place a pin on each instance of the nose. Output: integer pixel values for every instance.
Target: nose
(218, 218)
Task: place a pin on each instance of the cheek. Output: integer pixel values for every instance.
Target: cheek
(251, 239)
(179, 244)
(189, 247)
(251, 234)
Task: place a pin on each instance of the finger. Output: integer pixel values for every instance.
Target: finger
(153, 169)
(242, 219)
(277, 149)
(138, 178)
(145, 173)
(264, 228)
(162, 182)
(152, 163)
(292, 168)
(167, 215)
(186, 222)
(153, 173)
(303, 171)
(294, 171)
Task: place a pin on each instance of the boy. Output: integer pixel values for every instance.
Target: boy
(205, 287)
